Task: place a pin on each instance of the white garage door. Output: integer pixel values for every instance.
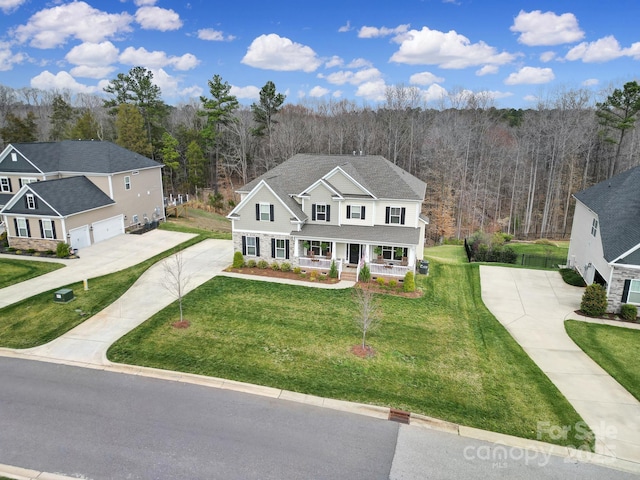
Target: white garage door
(108, 228)
(79, 237)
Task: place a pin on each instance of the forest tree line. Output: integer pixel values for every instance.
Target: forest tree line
(486, 169)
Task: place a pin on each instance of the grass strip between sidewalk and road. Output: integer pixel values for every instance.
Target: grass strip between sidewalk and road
(615, 349)
(14, 271)
(442, 355)
(38, 319)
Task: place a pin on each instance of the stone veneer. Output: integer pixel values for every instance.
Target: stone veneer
(620, 274)
(265, 248)
(38, 244)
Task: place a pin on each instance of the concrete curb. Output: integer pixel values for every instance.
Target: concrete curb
(382, 413)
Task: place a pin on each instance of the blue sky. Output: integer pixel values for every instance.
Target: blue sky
(516, 51)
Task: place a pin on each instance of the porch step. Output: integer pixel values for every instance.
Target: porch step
(349, 276)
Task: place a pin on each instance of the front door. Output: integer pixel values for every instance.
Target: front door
(354, 253)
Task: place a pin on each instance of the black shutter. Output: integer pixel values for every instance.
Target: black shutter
(35, 202)
(402, 215)
(10, 189)
(41, 229)
(286, 249)
(273, 248)
(19, 183)
(258, 211)
(313, 212)
(244, 245)
(53, 228)
(26, 220)
(625, 291)
(387, 215)
(257, 247)
(328, 217)
(362, 213)
(348, 211)
(271, 216)
(26, 203)
(15, 223)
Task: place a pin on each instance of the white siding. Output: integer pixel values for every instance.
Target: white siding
(411, 213)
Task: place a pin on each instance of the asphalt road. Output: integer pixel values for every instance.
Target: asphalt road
(99, 425)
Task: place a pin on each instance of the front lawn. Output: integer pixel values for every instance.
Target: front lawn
(16, 271)
(446, 254)
(442, 355)
(542, 248)
(615, 349)
(37, 320)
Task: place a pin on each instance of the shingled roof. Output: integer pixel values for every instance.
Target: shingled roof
(86, 156)
(617, 203)
(374, 172)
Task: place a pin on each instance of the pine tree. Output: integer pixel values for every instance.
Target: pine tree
(130, 130)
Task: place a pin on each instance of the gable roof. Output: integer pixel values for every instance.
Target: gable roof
(86, 156)
(617, 203)
(65, 196)
(374, 172)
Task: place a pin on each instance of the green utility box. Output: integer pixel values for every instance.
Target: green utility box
(63, 295)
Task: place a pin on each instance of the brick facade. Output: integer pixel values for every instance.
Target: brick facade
(265, 248)
(620, 274)
(38, 244)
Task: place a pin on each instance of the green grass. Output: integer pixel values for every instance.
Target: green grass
(615, 349)
(442, 355)
(38, 320)
(178, 227)
(551, 249)
(446, 254)
(16, 271)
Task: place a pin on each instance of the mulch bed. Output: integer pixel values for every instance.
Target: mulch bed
(182, 324)
(607, 316)
(387, 290)
(268, 272)
(365, 352)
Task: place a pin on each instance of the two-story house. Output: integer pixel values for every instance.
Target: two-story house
(78, 192)
(315, 209)
(605, 237)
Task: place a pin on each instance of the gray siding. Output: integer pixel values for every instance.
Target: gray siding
(322, 194)
(247, 214)
(344, 185)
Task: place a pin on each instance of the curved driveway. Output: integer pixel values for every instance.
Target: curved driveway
(532, 305)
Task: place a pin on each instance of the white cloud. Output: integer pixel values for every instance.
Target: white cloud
(318, 91)
(374, 32)
(60, 81)
(337, 94)
(487, 70)
(156, 18)
(157, 59)
(434, 93)
(193, 91)
(546, 57)
(590, 82)
(214, 35)
(51, 27)
(334, 61)
(7, 58)
(143, 3)
(8, 6)
(249, 92)
(448, 50)
(530, 98)
(273, 52)
(167, 83)
(86, 71)
(495, 94)
(374, 90)
(424, 78)
(602, 50)
(93, 54)
(530, 75)
(354, 78)
(359, 63)
(345, 28)
(537, 28)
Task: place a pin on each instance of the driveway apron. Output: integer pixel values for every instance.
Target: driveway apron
(532, 305)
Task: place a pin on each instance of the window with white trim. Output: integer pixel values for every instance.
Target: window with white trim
(127, 182)
(27, 180)
(251, 246)
(23, 229)
(281, 249)
(356, 212)
(393, 253)
(594, 227)
(265, 212)
(634, 292)
(5, 184)
(31, 201)
(321, 212)
(395, 215)
(47, 229)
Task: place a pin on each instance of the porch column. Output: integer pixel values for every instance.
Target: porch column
(411, 256)
(295, 247)
(367, 257)
(333, 250)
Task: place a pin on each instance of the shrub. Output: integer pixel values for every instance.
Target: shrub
(62, 250)
(571, 277)
(629, 312)
(409, 282)
(393, 283)
(251, 263)
(380, 281)
(453, 241)
(594, 300)
(263, 264)
(285, 267)
(11, 249)
(508, 255)
(31, 250)
(49, 252)
(275, 267)
(313, 275)
(333, 270)
(365, 273)
(238, 260)
(297, 270)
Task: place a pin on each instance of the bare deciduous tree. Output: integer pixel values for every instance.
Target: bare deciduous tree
(175, 279)
(368, 311)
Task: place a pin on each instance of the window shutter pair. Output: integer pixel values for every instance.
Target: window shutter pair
(26, 202)
(273, 248)
(387, 215)
(53, 229)
(271, 216)
(361, 212)
(327, 214)
(244, 246)
(26, 221)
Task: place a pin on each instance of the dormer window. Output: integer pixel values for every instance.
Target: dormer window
(31, 201)
(320, 212)
(594, 227)
(14, 157)
(5, 185)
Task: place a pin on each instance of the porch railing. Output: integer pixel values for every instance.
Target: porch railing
(320, 263)
(389, 270)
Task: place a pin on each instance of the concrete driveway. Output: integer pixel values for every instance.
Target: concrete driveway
(532, 305)
(102, 258)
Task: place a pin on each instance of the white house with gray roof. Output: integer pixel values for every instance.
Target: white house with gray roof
(605, 238)
(78, 192)
(315, 209)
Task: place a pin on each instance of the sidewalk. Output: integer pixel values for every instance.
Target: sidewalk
(533, 305)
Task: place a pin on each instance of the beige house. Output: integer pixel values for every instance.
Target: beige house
(78, 192)
(313, 210)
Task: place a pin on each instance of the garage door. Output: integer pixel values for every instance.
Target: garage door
(108, 228)
(79, 237)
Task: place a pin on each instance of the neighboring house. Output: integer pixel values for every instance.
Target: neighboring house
(605, 238)
(78, 192)
(313, 209)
